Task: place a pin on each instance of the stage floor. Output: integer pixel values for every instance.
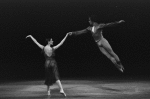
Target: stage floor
(77, 89)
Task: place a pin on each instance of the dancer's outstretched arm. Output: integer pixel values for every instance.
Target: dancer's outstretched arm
(58, 45)
(80, 31)
(111, 24)
(35, 41)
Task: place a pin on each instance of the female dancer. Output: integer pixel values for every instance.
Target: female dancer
(51, 71)
(97, 29)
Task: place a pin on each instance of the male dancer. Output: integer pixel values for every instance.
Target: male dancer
(96, 29)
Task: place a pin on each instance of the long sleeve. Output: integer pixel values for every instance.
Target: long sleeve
(111, 24)
(81, 31)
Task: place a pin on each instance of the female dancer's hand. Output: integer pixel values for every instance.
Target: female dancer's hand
(28, 36)
(121, 21)
(70, 33)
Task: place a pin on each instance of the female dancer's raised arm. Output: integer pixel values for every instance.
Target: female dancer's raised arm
(58, 45)
(35, 41)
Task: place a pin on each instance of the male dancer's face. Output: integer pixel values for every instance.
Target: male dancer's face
(91, 23)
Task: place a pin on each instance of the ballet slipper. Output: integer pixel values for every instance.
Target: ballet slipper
(63, 93)
(48, 93)
(121, 68)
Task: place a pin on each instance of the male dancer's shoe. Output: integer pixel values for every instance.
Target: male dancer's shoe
(119, 66)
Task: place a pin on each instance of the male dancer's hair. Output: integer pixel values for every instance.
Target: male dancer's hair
(94, 18)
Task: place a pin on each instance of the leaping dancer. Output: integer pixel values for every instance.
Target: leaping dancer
(96, 29)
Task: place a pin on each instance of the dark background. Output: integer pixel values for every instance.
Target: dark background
(79, 56)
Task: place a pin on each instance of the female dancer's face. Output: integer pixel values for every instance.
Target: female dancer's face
(50, 42)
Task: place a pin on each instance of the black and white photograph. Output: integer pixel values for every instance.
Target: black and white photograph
(75, 49)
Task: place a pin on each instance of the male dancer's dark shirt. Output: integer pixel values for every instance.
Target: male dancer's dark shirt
(98, 34)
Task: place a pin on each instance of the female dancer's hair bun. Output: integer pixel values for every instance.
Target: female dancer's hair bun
(48, 39)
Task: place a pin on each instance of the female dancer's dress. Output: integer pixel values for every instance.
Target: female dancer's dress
(51, 70)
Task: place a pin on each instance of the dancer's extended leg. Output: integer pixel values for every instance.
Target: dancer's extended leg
(107, 50)
(61, 88)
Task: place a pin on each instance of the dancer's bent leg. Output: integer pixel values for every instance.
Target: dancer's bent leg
(60, 87)
(48, 90)
(107, 50)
